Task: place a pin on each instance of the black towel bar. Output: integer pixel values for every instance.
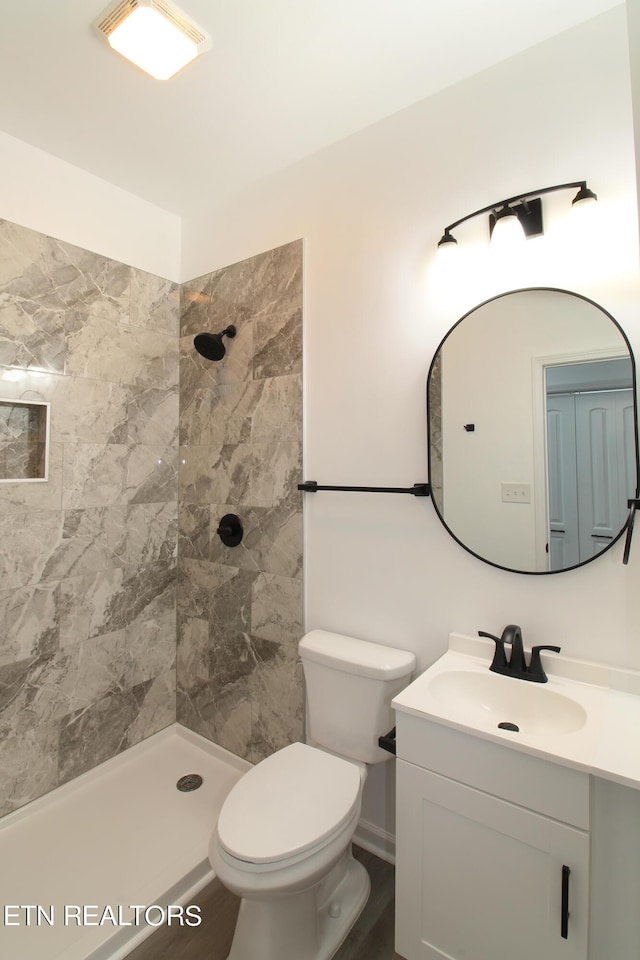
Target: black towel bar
(417, 490)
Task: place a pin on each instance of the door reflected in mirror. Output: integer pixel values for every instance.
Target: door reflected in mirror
(532, 430)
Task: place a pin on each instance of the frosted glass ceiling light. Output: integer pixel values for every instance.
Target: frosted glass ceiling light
(158, 38)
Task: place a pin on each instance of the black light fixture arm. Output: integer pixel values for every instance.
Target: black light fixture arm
(530, 194)
(417, 490)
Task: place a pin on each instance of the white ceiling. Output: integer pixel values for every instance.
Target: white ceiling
(284, 79)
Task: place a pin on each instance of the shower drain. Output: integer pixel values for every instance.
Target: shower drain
(190, 781)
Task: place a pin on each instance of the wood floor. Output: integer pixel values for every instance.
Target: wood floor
(371, 938)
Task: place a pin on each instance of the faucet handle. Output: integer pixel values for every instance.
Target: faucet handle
(499, 663)
(535, 670)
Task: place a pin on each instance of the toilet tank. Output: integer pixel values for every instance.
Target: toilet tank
(350, 685)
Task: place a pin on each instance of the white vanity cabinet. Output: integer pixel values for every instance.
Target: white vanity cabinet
(492, 850)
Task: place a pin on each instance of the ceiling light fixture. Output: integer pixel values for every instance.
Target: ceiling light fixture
(155, 36)
(519, 216)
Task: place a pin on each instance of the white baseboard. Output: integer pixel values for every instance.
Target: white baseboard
(377, 841)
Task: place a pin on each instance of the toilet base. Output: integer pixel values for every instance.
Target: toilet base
(309, 925)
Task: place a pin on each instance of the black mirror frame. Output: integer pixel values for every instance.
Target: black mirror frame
(629, 522)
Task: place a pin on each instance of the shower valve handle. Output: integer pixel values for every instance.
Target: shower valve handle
(230, 530)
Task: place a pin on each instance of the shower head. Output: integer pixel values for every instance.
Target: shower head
(210, 345)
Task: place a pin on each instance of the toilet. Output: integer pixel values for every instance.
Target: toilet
(283, 838)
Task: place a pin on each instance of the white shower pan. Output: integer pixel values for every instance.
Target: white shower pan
(118, 836)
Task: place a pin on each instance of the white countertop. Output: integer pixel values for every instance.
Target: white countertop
(607, 745)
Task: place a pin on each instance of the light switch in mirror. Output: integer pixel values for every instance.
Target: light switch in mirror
(24, 432)
(533, 430)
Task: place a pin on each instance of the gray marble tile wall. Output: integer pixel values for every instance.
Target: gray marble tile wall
(88, 558)
(240, 608)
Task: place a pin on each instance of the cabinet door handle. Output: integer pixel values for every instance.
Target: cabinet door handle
(564, 920)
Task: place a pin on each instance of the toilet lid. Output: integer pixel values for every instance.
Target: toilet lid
(287, 804)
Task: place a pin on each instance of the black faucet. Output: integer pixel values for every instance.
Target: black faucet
(516, 666)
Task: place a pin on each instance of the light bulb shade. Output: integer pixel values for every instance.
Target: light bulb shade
(158, 38)
(584, 196)
(507, 229)
(447, 242)
(584, 221)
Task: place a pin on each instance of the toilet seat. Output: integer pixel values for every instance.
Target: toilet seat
(292, 802)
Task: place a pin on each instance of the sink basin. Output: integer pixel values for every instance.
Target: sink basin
(490, 700)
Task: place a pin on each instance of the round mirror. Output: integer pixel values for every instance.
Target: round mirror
(531, 403)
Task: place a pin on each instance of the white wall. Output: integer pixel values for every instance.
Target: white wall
(371, 210)
(633, 21)
(44, 193)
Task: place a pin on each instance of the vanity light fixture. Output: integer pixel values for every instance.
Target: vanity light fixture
(157, 37)
(518, 217)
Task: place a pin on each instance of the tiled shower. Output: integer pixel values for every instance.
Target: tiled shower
(91, 573)
(240, 608)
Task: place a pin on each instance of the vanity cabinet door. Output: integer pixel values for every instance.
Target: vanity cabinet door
(478, 878)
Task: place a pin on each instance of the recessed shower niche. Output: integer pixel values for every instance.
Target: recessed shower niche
(24, 433)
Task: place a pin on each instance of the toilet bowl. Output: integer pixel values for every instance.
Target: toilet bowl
(283, 837)
(283, 843)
